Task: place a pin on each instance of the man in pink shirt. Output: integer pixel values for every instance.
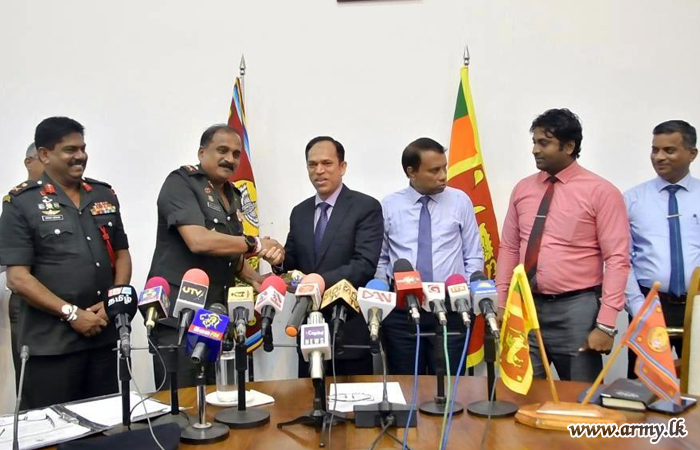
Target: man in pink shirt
(565, 224)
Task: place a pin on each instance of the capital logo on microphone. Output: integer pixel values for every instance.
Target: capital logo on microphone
(314, 335)
(210, 320)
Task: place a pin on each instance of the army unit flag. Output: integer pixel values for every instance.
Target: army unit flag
(649, 340)
(519, 318)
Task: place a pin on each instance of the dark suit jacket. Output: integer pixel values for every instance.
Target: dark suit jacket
(349, 250)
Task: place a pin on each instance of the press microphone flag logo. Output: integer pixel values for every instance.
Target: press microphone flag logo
(119, 295)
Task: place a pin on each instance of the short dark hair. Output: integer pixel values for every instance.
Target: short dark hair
(411, 154)
(209, 133)
(52, 130)
(339, 149)
(563, 125)
(686, 130)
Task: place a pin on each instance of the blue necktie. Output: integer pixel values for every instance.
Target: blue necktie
(424, 259)
(676, 284)
(321, 226)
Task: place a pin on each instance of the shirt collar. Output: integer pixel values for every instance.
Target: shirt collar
(564, 175)
(414, 195)
(685, 183)
(332, 199)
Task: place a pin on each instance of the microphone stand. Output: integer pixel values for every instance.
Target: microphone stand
(24, 356)
(437, 406)
(497, 408)
(242, 417)
(203, 432)
(125, 381)
(170, 358)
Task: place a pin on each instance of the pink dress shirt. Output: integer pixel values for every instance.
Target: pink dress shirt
(586, 226)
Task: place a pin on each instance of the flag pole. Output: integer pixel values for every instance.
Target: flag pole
(241, 71)
(545, 362)
(630, 330)
(466, 56)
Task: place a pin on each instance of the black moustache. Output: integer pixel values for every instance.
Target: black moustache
(226, 166)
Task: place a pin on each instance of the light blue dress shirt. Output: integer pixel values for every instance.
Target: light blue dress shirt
(650, 248)
(456, 240)
(330, 200)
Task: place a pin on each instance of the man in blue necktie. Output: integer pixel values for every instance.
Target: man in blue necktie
(664, 216)
(434, 227)
(337, 233)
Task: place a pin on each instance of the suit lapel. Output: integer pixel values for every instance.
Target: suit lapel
(307, 229)
(342, 206)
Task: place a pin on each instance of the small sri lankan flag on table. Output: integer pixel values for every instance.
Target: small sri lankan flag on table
(519, 318)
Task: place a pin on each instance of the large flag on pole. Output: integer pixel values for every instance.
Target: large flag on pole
(243, 177)
(519, 318)
(650, 342)
(466, 173)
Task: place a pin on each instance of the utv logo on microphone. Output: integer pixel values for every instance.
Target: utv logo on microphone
(314, 335)
(192, 292)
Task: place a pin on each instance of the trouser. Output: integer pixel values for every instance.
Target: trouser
(565, 324)
(53, 379)
(400, 343)
(13, 310)
(674, 315)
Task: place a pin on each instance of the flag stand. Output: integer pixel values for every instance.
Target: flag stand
(557, 415)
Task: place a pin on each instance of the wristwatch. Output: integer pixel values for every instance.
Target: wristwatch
(70, 312)
(610, 331)
(254, 244)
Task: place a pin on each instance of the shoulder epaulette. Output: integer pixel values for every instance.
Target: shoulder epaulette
(190, 169)
(23, 187)
(94, 181)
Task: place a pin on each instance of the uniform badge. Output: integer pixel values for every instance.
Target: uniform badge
(207, 190)
(87, 187)
(49, 207)
(52, 218)
(99, 208)
(210, 198)
(7, 199)
(214, 206)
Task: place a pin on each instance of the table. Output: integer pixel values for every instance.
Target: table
(293, 398)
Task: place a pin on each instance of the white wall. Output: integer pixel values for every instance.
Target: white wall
(146, 78)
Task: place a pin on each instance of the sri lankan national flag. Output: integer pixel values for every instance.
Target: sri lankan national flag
(519, 318)
(650, 342)
(245, 181)
(466, 173)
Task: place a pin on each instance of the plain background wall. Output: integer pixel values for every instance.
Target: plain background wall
(146, 78)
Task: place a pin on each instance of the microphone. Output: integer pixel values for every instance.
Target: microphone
(293, 278)
(483, 291)
(315, 344)
(192, 297)
(120, 306)
(434, 300)
(458, 291)
(240, 307)
(408, 288)
(308, 296)
(376, 303)
(206, 333)
(343, 297)
(153, 302)
(23, 356)
(270, 300)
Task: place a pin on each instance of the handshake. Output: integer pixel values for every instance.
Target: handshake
(271, 251)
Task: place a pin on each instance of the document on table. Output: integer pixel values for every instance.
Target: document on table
(351, 394)
(40, 428)
(108, 411)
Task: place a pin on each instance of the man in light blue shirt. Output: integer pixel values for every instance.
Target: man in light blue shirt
(664, 216)
(434, 227)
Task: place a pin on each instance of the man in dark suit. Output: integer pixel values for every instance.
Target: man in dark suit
(338, 234)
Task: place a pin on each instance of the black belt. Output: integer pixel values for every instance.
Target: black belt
(565, 295)
(665, 297)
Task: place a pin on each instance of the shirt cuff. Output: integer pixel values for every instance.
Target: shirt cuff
(185, 217)
(17, 257)
(607, 315)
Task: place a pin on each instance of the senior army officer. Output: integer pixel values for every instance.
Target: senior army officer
(63, 241)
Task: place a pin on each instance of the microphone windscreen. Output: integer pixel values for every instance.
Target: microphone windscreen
(158, 281)
(378, 285)
(218, 308)
(402, 265)
(197, 276)
(276, 282)
(317, 279)
(478, 276)
(455, 279)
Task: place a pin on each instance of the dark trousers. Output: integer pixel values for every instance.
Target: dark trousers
(674, 315)
(400, 343)
(565, 325)
(53, 379)
(13, 309)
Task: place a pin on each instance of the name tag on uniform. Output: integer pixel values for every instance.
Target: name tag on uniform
(214, 206)
(52, 218)
(99, 208)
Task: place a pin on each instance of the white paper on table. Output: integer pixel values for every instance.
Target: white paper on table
(108, 411)
(39, 428)
(351, 394)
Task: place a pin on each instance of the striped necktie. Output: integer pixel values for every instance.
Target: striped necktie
(535, 241)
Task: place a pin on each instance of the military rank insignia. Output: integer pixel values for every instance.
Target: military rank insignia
(7, 199)
(99, 208)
